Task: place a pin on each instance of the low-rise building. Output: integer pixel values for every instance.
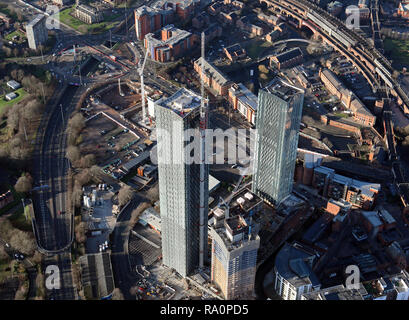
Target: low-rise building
(363, 13)
(200, 20)
(287, 58)
(96, 275)
(61, 2)
(403, 9)
(6, 19)
(10, 96)
(269, 19)
(243, 100)
(361, 113)
(234, 52)
(87, 14)
(331, 185)
(13, 84)
(212, 77)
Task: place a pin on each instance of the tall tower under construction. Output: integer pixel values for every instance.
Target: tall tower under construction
(181, 186)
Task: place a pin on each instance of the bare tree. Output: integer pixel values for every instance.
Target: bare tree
(125, 194)
(117, 294)
(23, 242)
(24, 183)
(80, 231)
(73, 154)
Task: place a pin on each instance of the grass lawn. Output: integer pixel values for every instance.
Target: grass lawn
(341, 115)
(21, 93)
(66, 18)
(399, 50)
(22, 36)
(18, 219)
(256, 47)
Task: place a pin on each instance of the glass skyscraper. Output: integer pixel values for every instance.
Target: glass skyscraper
(278, 120)
(179, 181)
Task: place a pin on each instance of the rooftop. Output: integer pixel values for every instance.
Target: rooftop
(288, 55)
(96, 274)
(282, 89)
(182, 102)
(176, 35)
(36, 20)
(244, 95)
(246, 200)
(209, 69)
(294, 263)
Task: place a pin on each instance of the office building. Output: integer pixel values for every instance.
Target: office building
(37, 33)
(277, 121)
(179, 182)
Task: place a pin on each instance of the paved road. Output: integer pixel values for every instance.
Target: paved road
(53, 216)
(123, 275)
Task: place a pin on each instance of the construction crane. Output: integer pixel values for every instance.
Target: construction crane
(140, 72)
(203, 127)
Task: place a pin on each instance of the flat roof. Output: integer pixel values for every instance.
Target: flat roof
(282, 89)
(96, 274)
(245, 95)
(182, 102)
(36, 20)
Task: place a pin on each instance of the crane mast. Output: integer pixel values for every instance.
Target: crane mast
(203, 127)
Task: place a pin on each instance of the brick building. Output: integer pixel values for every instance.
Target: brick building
(347, 97)
(287, 58)
(234, 52)
(243, 100)
(168, 44)
(212, 77)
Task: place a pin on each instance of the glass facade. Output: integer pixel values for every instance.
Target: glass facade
(277, 122)
(179, 192)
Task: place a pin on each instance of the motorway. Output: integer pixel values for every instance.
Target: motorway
(53, 215)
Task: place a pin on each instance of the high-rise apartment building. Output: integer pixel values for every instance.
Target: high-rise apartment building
(235, 243)
(277, 122)
(179, 181)
(160, 14)
(37, 33)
